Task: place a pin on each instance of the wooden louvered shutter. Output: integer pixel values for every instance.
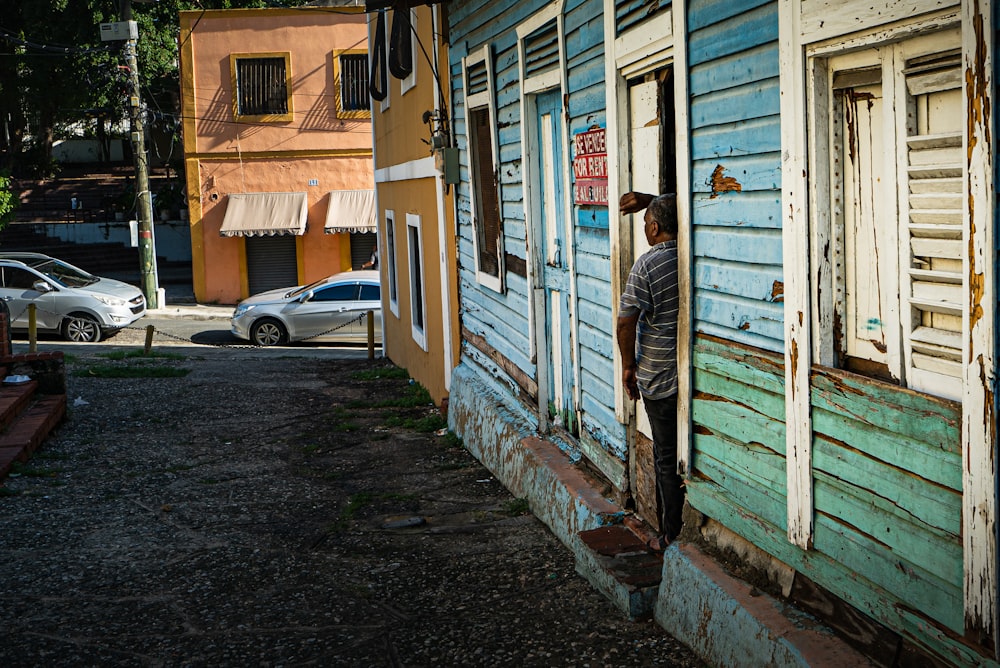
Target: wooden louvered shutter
(933, 174)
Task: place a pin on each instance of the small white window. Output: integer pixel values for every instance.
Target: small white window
(893, 127)
(390, 256)
(418, 302)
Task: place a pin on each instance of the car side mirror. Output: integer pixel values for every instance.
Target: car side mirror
(306, 297)
(41, 286)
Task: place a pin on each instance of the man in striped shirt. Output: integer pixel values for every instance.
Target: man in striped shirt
(647, 339)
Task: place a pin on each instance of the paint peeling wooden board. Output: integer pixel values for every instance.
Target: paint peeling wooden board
(881, 605)
(750, 367)
(592, 289)
(737, 138)
(742, 337)
(761, 282)
(758, 468)
(508, 338)
(892, 526)
(745, 427)
(592, 217)
(738, 69)
(925, 502)
(755, 100)
(595, 349)
(756, 208)
(872, 562)
(593, 241)
(745, 31)
(920, 416)
(702, 13)
(745, 490)
(598, 315)
(928, 461)
(750, 172)
(761, 318)
(717, 385)
(751, 245)
(595, 406)
(822, 19)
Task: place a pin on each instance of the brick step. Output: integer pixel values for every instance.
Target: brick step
(618, 562)
(30, 429)
(13, 400)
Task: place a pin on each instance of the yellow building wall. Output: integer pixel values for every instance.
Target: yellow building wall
(404, 186)
(226, 155)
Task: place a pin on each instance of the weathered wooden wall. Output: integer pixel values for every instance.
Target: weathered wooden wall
(736, 170)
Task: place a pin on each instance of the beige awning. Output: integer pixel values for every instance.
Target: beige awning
(350, 211)
(264, 214)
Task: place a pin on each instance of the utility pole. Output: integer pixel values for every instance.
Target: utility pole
(144, 206)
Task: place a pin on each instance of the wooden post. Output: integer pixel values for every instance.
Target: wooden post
(32, 328)
(371, 335)
(149, 339)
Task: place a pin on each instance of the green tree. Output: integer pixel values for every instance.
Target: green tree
(56, 73)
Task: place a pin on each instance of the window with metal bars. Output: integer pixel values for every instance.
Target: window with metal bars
(261, 86)
(354, 82)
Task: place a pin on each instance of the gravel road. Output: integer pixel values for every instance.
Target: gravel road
(282, 510)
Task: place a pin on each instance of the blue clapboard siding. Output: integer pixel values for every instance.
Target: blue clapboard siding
(886, 477)
(502, 318)
(628, 13)
(735, 139)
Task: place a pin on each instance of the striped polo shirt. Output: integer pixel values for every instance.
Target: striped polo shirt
(651, 291)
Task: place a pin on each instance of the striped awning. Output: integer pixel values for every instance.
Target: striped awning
(264, 214)
(350, 211)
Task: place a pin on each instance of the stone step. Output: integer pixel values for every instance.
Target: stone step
(618, 563)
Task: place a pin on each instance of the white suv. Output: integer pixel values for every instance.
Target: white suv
(81, 306)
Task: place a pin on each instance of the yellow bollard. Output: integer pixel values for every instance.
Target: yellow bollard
(32, 329)
(371, 335)
(149, 339)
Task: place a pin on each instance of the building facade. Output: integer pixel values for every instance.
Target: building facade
(415, 202)
(835, 179)
(277, 147)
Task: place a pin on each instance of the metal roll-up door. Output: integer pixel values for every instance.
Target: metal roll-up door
(362, 245)
(271, 263)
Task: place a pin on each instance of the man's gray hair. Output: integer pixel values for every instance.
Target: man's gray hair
(663, 209)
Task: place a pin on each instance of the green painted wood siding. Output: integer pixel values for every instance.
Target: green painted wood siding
(886, 475)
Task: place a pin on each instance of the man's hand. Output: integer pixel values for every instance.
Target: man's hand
(630, 383)
(632, 201)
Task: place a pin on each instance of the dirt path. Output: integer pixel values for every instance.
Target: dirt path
(266, 511)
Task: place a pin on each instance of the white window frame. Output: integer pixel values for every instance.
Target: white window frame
(477, 102)
(411, 80)
(390, 257)
(417, 283)
(803, 37)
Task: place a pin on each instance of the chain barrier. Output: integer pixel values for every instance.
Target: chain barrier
(183, 339)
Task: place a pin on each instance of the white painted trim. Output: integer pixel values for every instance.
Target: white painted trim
(979, 473)
(421, 168)
(542, 82)
(882, 34)
(442, 223)
(538, 19)
(685, 261)
(643, 47)
(419, 334)
(795, 251)
(825, 19)
(620, 236)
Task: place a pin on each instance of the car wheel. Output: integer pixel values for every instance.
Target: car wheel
(81, 328)
(268, 332)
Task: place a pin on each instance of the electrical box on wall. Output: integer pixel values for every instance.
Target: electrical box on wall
(446, 161)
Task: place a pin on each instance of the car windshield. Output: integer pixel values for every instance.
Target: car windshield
(66, 274)
(305, 288)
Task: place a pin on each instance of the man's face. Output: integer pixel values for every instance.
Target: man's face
(650, 228)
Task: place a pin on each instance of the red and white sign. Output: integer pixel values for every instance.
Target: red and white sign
(590, 167)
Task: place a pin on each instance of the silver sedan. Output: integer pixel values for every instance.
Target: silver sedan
(331, 309)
